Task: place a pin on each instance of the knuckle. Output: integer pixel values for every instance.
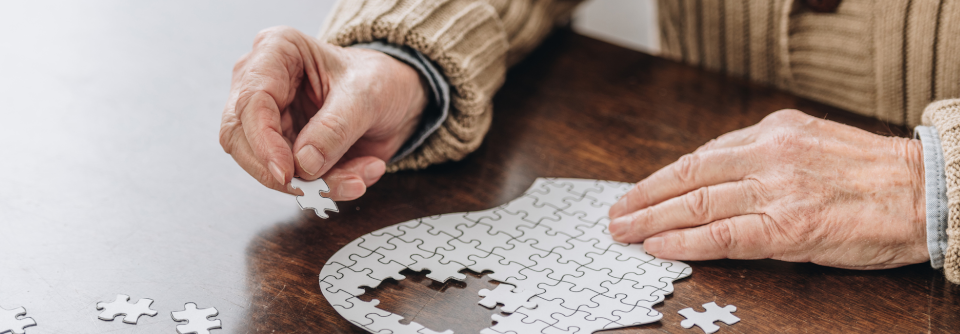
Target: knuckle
(708, 145)
(272, 32)
(721, 232)
(227, 133)
(225, 141)
(338, 126)
(785, 115)
(686, 168)
(239, 65)
(697, 203)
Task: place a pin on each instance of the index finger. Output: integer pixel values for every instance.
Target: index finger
(690, 172)
(265, 82)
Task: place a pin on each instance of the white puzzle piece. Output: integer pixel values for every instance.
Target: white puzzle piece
(198, 320)
(312, 199)
(512, 298)
(120, 306)
(13, 321)
(705, 320)
(559, 268)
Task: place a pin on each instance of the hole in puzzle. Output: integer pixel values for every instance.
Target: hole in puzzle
(437, 306)
(454, 305)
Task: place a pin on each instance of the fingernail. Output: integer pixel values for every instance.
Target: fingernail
(374, 170)
(351, 188)
(618, 226)
(277, 173)
(310, 159)
(653, 245)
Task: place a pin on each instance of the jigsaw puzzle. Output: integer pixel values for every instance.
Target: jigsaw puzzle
(120, 306)
(705, 320)
(14, 321)
(312, 199)
(559, 269)
(198, 320)
(512, 298)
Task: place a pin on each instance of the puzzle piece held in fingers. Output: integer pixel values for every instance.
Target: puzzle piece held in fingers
(312, 199)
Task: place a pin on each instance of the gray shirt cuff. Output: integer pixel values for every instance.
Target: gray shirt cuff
(438, 110)
(935, 179)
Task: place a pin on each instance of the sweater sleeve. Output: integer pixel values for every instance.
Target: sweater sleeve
(944, 115)
(471, 41)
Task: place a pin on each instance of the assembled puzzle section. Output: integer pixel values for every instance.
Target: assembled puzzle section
(560, 271)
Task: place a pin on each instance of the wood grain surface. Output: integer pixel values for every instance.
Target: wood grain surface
(582, 108)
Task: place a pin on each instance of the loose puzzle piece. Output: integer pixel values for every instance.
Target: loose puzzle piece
(13, 321)
(551, 250)
(120, 306)
(198, 320)
(312, 199)
(512, 298)
(706, 319)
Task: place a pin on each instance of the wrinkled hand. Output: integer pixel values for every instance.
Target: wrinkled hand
(301, 107)
(793, 188)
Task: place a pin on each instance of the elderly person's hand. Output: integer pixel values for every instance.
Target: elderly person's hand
(793, 188)
(301, 107)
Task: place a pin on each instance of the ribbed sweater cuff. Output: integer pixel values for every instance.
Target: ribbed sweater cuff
(439, 108)
(944, 115)
(465, 38)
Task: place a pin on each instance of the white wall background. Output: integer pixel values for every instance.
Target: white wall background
(628, 23)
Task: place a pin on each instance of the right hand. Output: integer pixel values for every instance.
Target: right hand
(300, 107)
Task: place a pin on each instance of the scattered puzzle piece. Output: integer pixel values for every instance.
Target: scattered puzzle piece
(512, 298)
(13, 321)
(706, 319)
(559, 268)
(312, 199)
(120, 306)
(198, 319)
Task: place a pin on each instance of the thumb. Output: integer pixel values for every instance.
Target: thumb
(328, 135)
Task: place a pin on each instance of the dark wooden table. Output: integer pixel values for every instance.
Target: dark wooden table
(139, 200)
(582, 108)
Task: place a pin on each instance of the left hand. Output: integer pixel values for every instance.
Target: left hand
(793, 188)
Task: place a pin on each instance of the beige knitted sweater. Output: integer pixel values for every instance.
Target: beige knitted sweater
(888, 59)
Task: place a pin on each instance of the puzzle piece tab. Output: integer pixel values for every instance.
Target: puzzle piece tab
(120, 306)
(198, 319)
(511, 297)
(706, 319)
(312, 199)
(13, 321)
